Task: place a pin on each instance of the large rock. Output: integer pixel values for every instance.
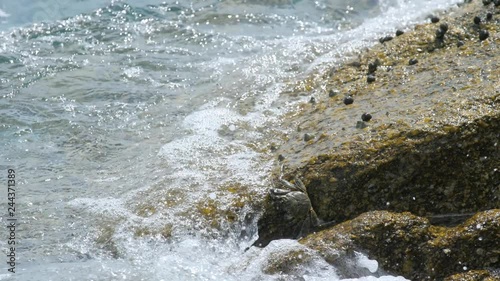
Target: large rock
(474, 275)
(432, 147)
(405, 244)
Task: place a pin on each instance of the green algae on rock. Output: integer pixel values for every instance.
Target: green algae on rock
(474, 275)
(433, 148)
(409, 245)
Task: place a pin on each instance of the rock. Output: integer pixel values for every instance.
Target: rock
(483, 35)
(348, 100)
(308, 137)
(361, 125)
(289, 209)
(333, 93)
(405, 244)
(366, 117)
(435, 156)
(440, 34)
(443, 27)
(372, 67)
(284, 217)
(385, 39)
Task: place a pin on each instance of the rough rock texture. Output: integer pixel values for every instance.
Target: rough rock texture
(475, 275)
(293, 213)
(432, 145)
(431, 148)
(409, 245)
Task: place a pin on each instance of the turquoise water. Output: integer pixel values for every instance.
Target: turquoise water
(129, 122)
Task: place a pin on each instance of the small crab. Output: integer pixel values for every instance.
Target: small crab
(289, 214)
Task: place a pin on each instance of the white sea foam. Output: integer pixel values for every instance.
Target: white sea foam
(3, 14)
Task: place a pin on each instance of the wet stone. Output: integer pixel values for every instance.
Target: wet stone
(477, 20)
(460, 43)
(370, 78)
(399, 32)
(333, 93)
(372, 67)
(308, 137)
(356, 64)
(281, 157)
(409, 245)
(312, 100)
(443, 27)
(366, 117)
(348, 100)
(385, 39)
(440, 34)
(483, 35)
(406, 163)
(434, 19)
(489, 16)
(413, 61)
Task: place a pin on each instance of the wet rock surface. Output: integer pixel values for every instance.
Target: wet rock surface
(431, 149)
(474, 275)
(411, 246)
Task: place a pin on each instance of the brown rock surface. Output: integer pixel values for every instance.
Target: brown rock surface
(432, 146)
(431, 151)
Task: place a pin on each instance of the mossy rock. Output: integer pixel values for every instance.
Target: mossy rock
(474, 275)
(431, 151)
(409, 245)
(431, 147)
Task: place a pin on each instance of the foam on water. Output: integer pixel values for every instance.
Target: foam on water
(147, 130)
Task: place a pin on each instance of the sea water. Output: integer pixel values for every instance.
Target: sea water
(140, 131)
